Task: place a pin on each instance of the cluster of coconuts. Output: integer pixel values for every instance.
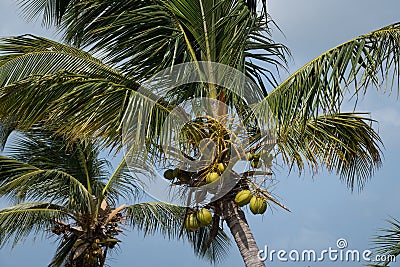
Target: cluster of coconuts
(255, 159)
(211, 176)
(96, 249)
(200, 218)
(258, 204)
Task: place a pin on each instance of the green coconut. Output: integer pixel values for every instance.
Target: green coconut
(256, 164)
(211, 177)
(176, 172)
(258, 205)
(256, 156)
(169, 174)
(221, 167)
(191, 222)
(243, 197)
(250, 156)
(204, 217)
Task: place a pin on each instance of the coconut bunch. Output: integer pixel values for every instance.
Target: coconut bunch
(256, 159)
(192, 135)
(258, 203)
(198, 218)
(244, 193)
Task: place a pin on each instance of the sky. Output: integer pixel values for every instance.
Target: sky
(323, 210)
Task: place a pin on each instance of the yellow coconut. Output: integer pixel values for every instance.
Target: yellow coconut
(243, 197)
(211, 177)
(191, 222)
(221, 167)
(256, 164)
(258, 205)
(204, 217)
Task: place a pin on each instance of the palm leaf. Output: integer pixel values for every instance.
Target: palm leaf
(388, 242)
(27, 55)
(17, 222)
(320, 85)
(168, 219)
(214, 248)
(345, 143)
(63, 252)
(44, 185)
(154, 217)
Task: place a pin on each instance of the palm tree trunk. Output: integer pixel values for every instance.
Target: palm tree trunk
(241, 232)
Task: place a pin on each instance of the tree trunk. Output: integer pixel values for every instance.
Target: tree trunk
(241, 232)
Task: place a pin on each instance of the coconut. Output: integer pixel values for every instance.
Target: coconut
(258, 205)
(221, 167)
(250, 156)
(211, 177)
(255, 164)
(191, 222)
(169, 174)
(204, 217)
(243, 197)
(176, 172)
(256, 156)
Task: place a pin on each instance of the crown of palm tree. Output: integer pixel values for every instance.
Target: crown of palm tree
(67, 191)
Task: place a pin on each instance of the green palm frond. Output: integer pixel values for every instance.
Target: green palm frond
(64, 251)
(214, 248)
(52, 99)
(17, 178)
(17, 222)
(137, 35)
(164, 33)
(122, 182)
(320, 85)
(154, 217)
(7, 126)
(41, 56)
(345, 143)
(388, 242)
(52, 11)
(168, 219)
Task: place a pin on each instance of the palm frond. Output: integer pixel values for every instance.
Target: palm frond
(122, 182)
(18, 178)
(137, 35)
(17, 222)
(388, 242)
(52, 11)
(320, 85)
(205, 245)
(152, 217)
(64, 250)
(345, 143)
(27, 55)
(6, 129)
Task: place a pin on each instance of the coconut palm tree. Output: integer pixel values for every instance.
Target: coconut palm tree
(44, 81)
(67, 192)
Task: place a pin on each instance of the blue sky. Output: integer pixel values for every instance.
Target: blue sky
(323, 210)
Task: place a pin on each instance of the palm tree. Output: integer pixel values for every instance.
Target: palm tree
(82, 96)
(66, 192)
